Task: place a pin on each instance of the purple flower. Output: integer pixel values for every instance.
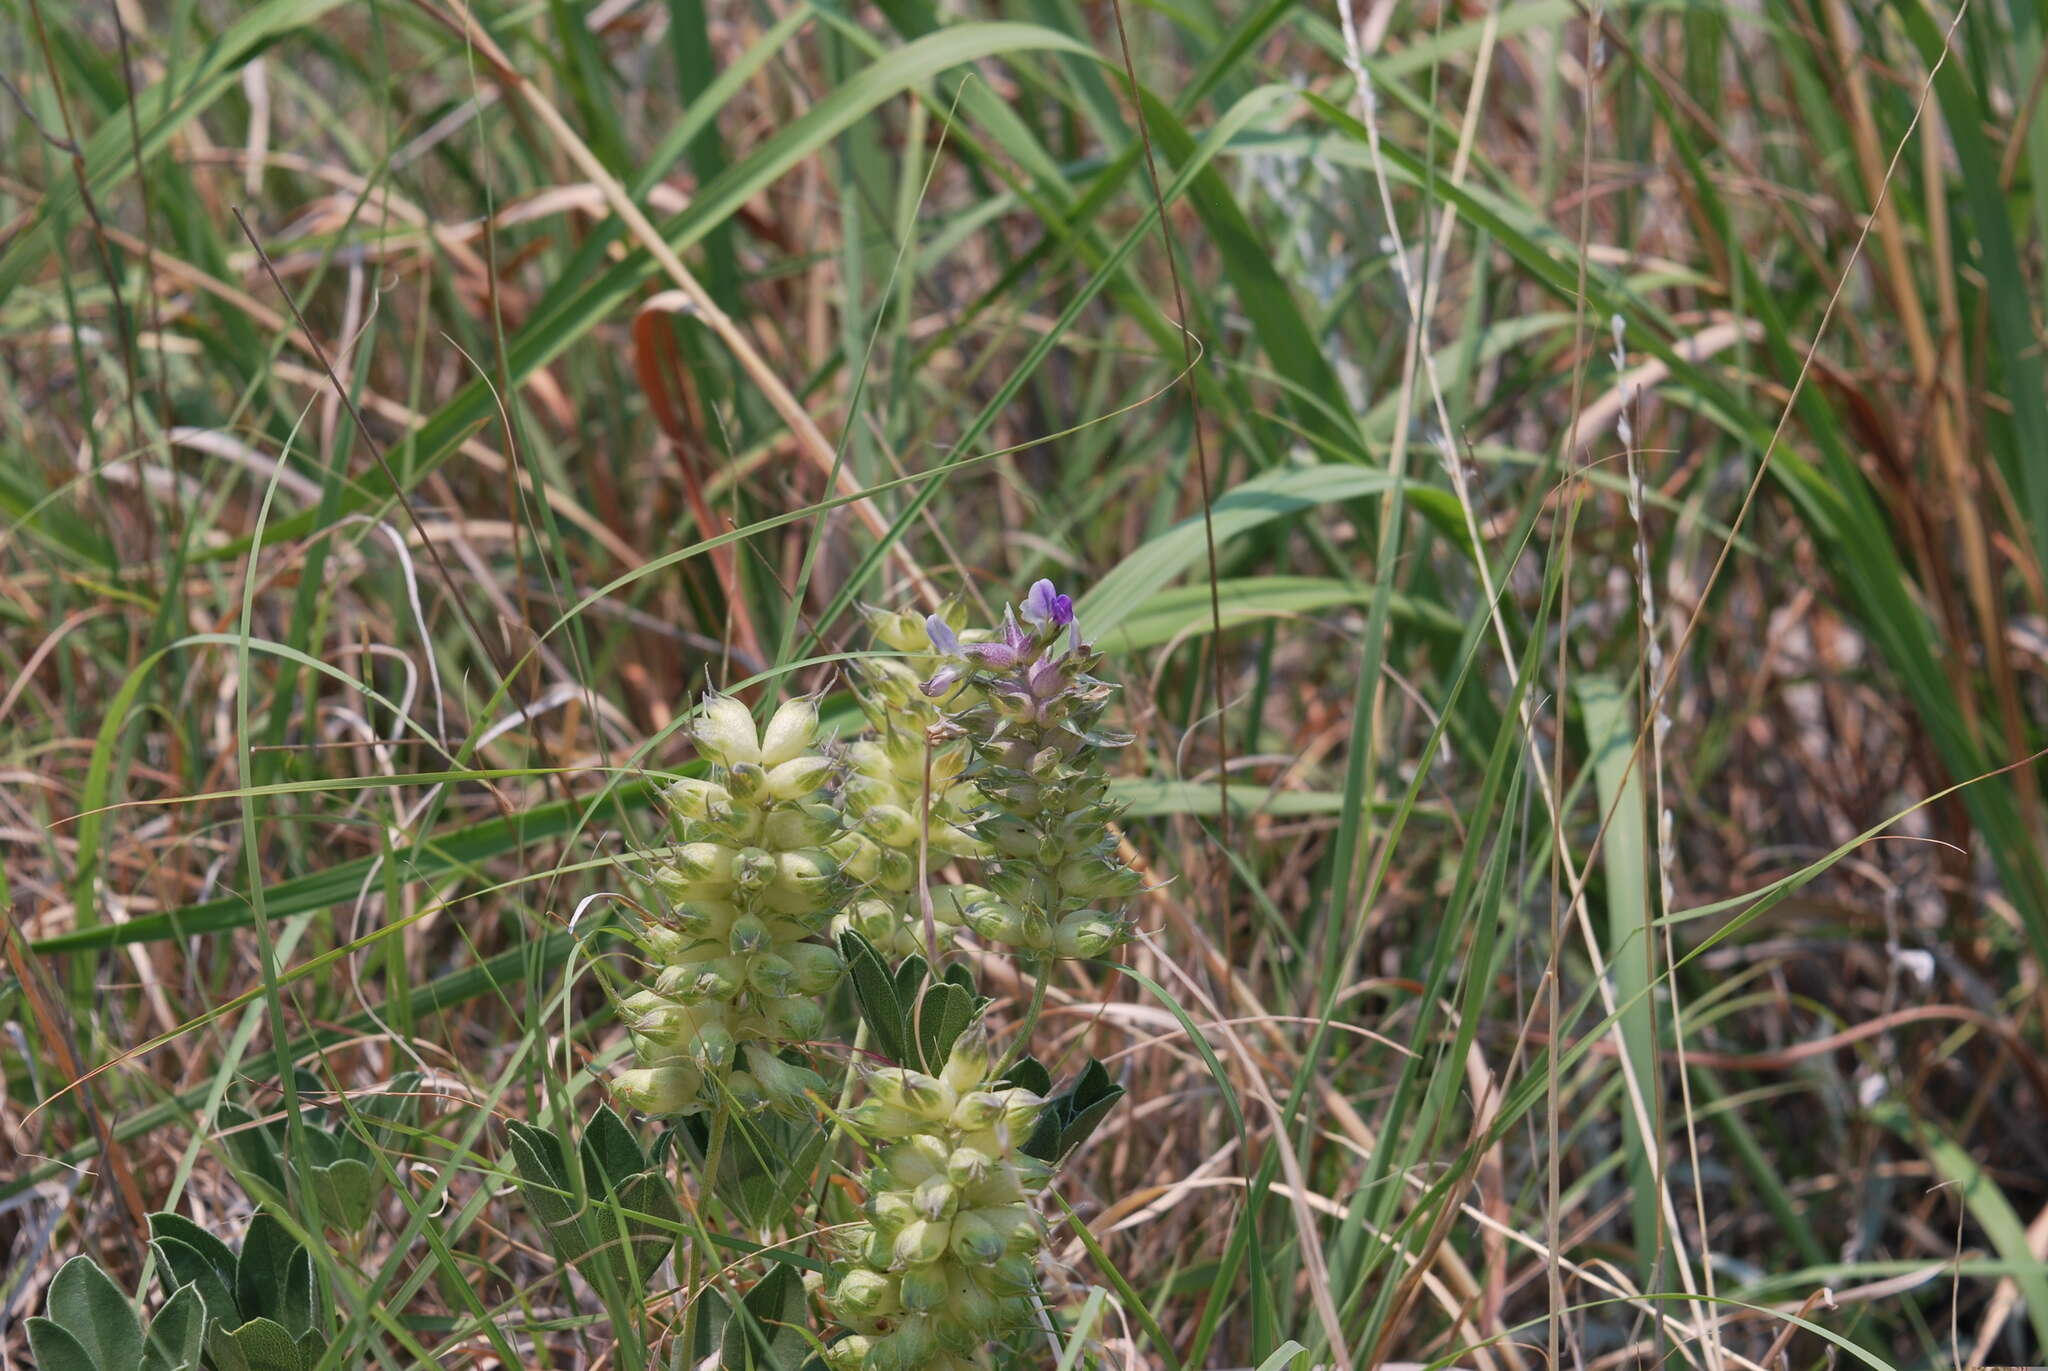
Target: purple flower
(1045, 606)
(944, 639)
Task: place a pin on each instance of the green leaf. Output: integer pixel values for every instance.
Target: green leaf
(943, 1014)
(190, 1269)
(549, 1189)
(875, 990)
(274, 1276)
(1274, 495)
(1030, 1073)
(57, 1350)
(254, 1146)
(1984, 1199)
(178, 1333)
(97, 1312)
(767, 1330)
(609, 1148)
(1184, 611)
(650, 1194)
(258, 1345)
(347, 1191)
(1069, 1117)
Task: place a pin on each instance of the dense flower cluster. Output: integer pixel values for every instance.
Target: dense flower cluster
(753, 877)
(983, 748)
(946, 1258)
(1055, 882)
(904, 793)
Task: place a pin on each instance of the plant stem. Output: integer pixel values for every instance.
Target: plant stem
(1022, 1037)
(707, 1184)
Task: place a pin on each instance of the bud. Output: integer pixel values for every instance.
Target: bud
(912, 1090)
(770, 975)
(892, 1209)
(996, 922)
(787, 1087)
(925, 1288)
(1016, 1225)
(748, 782)
(789, 732)
(977, 1110)
(936, 1198)
(891, 824)
(969, 1060)
(921, 1241)
(695, 798)
(799, 826)
(975, 1241)
(877, 1118)
(702, 862)
(660, 1090)
(1092, 878)
(745, 1092)
(969, 1166)
(794, 1020)
(748, 934)
(713, 1046)
(914, 1160)
(1020, 1109)
(955, 841)
(1088, 933)
(970, 1307)
(1012, 1275)
(855, 855)
(663, 945)
(866, 1293)
(799, 776)
(897, 872)
(718, 979)
(753, 868)
(850, 1353)
(724, 731)
(817, 968)
(702, 919)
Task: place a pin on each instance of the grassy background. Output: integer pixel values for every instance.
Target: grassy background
(1621, 438)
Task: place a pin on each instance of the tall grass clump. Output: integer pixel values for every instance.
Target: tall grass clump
(1039, 685)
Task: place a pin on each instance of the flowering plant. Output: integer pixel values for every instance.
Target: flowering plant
(972, 811)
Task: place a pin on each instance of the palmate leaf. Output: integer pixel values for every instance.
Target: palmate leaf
(617, 1181)
(91, 1324)
(263, 1345)
(1072, 1115)
(55, 1349)
(177, 1335)
(766, 1331)
(274, 1277)
(97, 1312)
(913, 1023)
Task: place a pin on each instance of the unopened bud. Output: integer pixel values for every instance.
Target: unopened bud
(724, 731)
(770, 975)
(789, 732)
(1095, 879)
(660, 1090)
(799, 776)
(925, 1288)
(921, 1241)
(865, 1293)
(793, 826)
(748, 935)
(1088, 933)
